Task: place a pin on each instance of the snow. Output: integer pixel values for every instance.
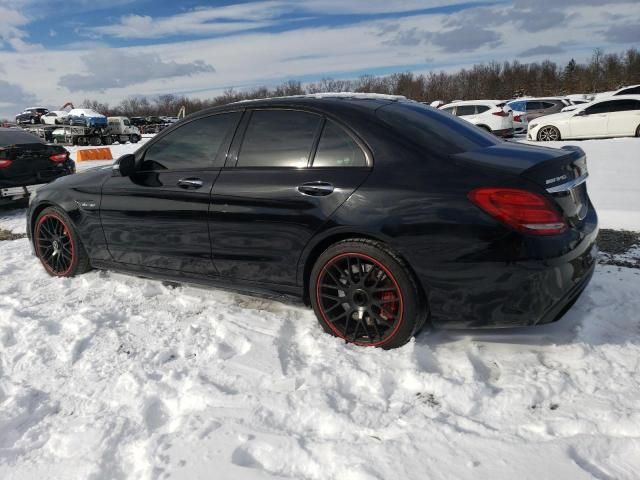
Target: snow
(116, 377)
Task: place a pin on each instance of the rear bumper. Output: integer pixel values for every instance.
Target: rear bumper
(495, 294)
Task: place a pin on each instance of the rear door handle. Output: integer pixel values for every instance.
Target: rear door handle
(193, 183)
(316, 189)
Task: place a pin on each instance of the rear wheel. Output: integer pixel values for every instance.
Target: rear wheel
(638, 131)
(96, 141)
(548, 134)
(365, 294)
(134, 139)
(57, 244)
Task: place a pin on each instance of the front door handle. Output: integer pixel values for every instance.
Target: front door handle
(316, 189)
(193, 183)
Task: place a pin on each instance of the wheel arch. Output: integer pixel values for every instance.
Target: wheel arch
(321, 243)
(35, 211)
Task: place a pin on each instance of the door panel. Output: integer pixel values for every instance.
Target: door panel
(157, 217)
(260, 221)
(149, 220)
(593, 125)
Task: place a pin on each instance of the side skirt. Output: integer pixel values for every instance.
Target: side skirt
(282, 293)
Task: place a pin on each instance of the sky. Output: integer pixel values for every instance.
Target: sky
(54, 51)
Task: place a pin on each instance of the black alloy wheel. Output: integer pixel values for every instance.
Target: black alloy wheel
(57, 245)
(365, 295)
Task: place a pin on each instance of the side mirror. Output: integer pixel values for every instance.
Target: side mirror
(125, 166)
(581, 113)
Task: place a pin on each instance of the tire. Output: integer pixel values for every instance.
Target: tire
(548, 133)
(95, 141)
(365, 294)
(32, 121)
(107, 141)
(134, 138)
(57, 244)
(638, 131)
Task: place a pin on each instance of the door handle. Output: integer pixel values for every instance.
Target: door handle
(316, 189)
(190, 183)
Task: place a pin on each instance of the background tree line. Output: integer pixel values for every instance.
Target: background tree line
(489, 80)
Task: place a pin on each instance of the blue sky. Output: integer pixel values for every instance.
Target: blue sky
(58, 50)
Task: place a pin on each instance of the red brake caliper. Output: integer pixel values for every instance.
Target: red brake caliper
(388, 310)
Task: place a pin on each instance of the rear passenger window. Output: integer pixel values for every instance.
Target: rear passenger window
(278, 138)
(338, 149)
(464, 110)
(481, 108)
(194, 145)
(534, 106)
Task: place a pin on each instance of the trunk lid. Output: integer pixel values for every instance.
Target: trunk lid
(560, 172)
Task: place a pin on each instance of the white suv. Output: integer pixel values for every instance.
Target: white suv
(492, 115)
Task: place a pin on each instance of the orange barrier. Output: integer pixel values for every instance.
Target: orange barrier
(93, 154)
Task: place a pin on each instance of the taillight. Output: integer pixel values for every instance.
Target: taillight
(517, 118)
(4, 163)
(522, 210)
(58, 157)
(501, 113)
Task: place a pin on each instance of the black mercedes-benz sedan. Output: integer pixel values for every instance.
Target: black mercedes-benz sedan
(382, 214)
(27, 162)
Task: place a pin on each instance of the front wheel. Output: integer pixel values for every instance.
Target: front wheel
(548, 134)
(57, 244)
(366, 295)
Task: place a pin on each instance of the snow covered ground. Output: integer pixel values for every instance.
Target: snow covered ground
(108, 376)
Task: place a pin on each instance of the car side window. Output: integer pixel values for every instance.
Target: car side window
(533, 106)
(482, 108)
(464, 110)
(194, 145)
(630, 91)
(599, 108)
(624, 106)
(337, 149)
(278, 138)
(448, 109)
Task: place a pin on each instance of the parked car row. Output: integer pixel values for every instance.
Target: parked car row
(612, 116)
(491, 115)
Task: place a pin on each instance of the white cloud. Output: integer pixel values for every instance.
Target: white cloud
(109, 68)
(249, 16)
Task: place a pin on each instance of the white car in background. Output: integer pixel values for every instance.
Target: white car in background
(54, 117)
(617, 116)
(492, 115)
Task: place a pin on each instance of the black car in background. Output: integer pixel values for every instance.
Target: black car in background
(381, 214)
(31, 115)
(27, 162)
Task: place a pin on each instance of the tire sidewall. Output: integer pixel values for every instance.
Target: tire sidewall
(410, 295)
